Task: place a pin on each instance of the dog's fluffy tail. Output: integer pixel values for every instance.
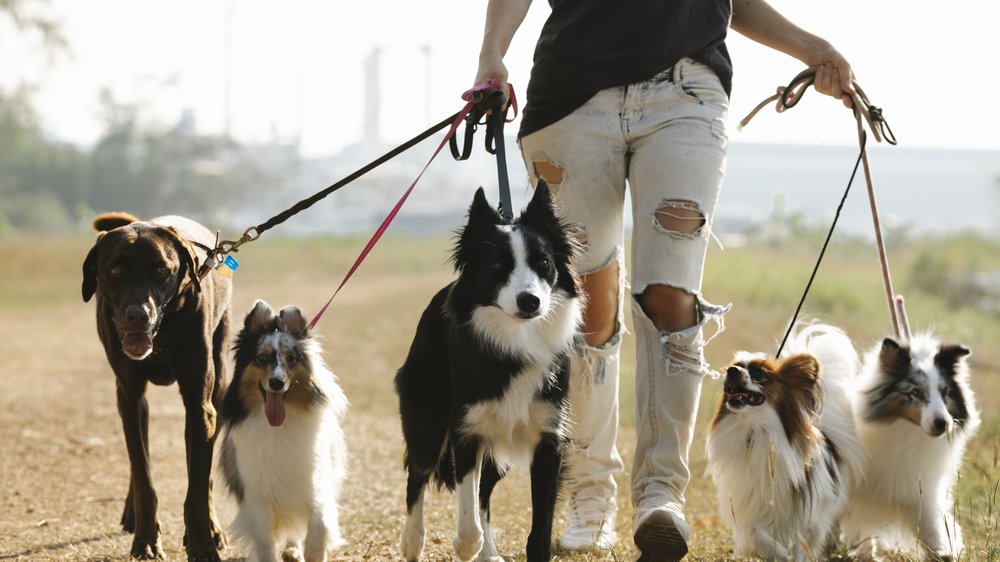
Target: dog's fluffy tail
(111, 221)
(830, 345)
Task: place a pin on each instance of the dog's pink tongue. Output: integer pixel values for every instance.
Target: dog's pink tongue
(137, 344)
(274, 408)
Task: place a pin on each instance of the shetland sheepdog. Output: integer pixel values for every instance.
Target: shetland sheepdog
(915, 414)
(283, 453)
(782, 448)
(485, 384)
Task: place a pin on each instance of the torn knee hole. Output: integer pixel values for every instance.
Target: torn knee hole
(552, 174)
(680, 217)
(684, 357)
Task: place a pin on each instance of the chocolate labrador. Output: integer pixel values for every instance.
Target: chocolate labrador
(160, 323)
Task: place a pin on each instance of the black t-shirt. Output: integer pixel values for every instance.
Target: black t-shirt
(589, 45)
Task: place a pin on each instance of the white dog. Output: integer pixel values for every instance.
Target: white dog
(782, 448)
(915, 413)
(283, 453)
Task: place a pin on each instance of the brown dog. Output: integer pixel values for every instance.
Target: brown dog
(159, 323)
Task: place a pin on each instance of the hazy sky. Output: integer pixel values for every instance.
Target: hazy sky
(297, 67)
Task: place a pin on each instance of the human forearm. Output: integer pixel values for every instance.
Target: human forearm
(757, 20)
(503, 17)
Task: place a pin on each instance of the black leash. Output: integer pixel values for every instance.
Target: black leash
(492, 105)
(254, 232)
(822, 251)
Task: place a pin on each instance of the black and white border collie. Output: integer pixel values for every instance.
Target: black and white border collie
(485, 384)
(283, 452)
(915, 414)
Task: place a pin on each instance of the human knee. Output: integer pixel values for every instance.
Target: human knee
(680, 218)
(600, 316)
(671, 309)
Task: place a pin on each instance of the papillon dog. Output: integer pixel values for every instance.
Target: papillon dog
(283, 454)
(915, 414)
(484, 386)
(782, 447)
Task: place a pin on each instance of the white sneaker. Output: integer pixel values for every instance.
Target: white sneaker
(661, 535)
(590, 524)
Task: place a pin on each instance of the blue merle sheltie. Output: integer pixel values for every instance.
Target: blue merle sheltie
(915, 414)
(484, 387)
(283, 453)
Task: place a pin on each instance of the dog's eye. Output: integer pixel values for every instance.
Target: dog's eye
(161, 271)
(291, 359)
(264, 358)
(496, 265)
(916, 394)
(757, 375)
(945, 391)
(116, 271)
(543, 262)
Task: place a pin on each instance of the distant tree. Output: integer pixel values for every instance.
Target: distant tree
(153, 170)
(30, 16)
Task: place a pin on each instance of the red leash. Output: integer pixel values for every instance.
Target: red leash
(473, 97)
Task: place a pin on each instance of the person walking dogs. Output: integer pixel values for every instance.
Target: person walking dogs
(636, 92)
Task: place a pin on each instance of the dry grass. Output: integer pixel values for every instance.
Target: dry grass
(63, 458)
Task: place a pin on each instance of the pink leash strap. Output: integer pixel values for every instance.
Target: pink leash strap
(395, 210)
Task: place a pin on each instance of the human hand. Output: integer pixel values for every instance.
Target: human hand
(493, 68)
(834, 76)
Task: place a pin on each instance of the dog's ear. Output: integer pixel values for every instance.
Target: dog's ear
(949, 355)
(481, 212)
(803, 365)
(482, 218)
(893, 360)
(290, 320)
(90, 269)
(188, 259)
(261, 318)
(800, 374)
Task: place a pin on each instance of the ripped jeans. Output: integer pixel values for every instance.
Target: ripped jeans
(665, 138)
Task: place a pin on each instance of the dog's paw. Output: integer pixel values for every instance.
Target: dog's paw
(468, 544)
(203, 555)
(292, 554)
(203, 552)
(218, 535)
(145, 549)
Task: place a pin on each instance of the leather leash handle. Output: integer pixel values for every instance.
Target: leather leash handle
(864, 112)
(490, 108)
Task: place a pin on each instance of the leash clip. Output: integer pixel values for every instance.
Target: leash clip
(227, 246)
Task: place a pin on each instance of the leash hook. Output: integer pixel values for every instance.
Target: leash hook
(228, 246)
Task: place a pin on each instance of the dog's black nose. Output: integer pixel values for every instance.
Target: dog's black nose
(735, 373)
(940, 424)
(137, 315)
(528, 303)
(276, 383)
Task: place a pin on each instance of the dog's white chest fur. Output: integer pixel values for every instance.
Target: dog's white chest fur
(284, 467)
(512, 424)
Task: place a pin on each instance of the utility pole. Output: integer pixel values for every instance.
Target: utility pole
(227, 63)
